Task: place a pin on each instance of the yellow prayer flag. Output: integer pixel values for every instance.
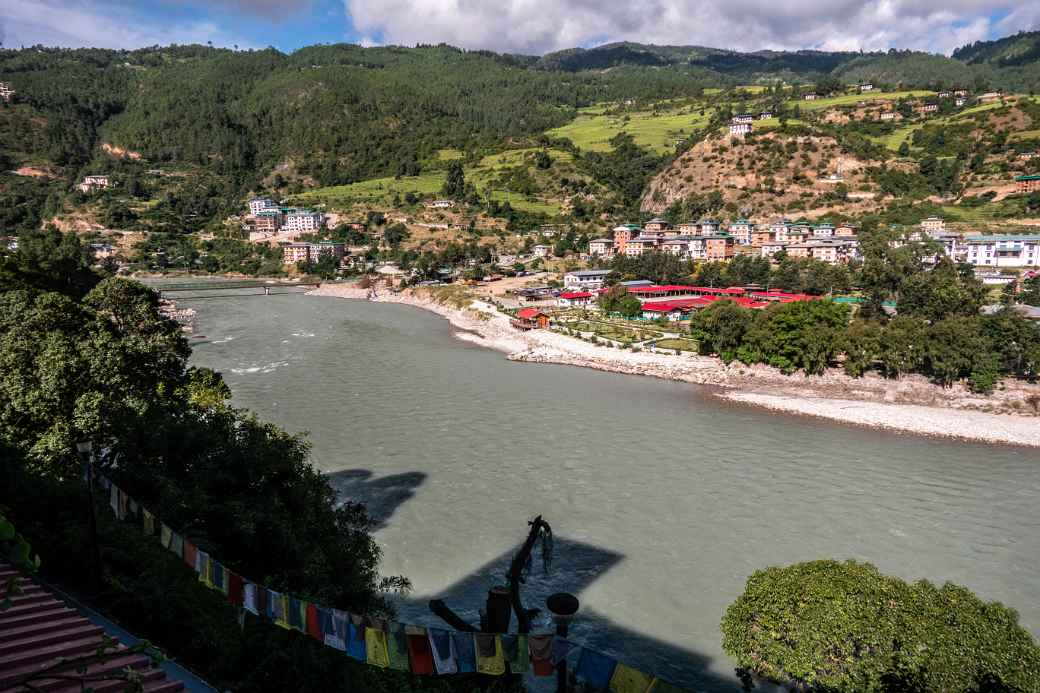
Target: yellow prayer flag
(376, 650)
(629, 680)
(495, 665)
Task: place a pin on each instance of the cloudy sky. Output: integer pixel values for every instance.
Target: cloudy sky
(524, 26)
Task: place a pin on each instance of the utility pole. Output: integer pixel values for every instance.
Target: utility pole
(86, 451)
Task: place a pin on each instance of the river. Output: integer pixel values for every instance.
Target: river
(662, 498)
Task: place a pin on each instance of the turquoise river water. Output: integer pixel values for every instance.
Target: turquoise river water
(663, 499)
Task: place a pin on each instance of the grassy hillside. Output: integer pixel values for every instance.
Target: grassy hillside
(658, 130)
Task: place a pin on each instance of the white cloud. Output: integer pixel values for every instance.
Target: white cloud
(76, 23)
(538, 26)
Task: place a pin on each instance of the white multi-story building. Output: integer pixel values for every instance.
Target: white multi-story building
(542, 251)
(823, 231)
(1004, 251)
(94, 183)
(302, 221)
(708, 227)
(741, 229)
(742, 118)
(780, 230)
(261, 204)
(601, 247)
(641, 244)
(6, 91)
(740, 129)
(772, 248)
(933, 225)
(584, 280)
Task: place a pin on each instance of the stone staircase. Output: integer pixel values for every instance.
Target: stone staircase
(38, 630)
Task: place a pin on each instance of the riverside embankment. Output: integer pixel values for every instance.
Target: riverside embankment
(911, 404)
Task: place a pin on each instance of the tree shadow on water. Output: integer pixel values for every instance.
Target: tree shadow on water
(576, 566)
(382, 496)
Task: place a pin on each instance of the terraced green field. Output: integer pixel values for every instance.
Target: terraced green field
(383, 189)
(851, 99)
(592, 130)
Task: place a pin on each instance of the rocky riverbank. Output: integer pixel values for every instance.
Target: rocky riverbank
(910, 404)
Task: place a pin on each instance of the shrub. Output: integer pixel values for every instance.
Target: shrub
(830, 626)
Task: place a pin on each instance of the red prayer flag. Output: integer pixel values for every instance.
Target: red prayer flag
(313, 624)
(420, 655)
(235, 589)
(189, 554)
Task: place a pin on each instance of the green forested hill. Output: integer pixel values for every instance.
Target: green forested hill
(1011, 51)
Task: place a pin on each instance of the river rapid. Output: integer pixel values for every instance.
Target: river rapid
(662, 498)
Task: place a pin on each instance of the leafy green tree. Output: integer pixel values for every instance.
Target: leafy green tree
(51, 260)
(903, 346)
(455, 183)
(940, 293)
(862, 347)
(1031, 291)
(618, 300)
(830, 626)
(396, 234)
(955, 347)
(720, 329)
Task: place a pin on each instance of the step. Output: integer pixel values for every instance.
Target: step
(42, 629)
(34, 638)
(29, 597)
(114, 666)
(53, 613)
(28, 608)
(151, 679)
(165, 687)
(48, 653)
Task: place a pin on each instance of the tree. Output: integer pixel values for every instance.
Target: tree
(1031, 291)
(830, 626)
(862, 347)
(618, 300)
(720, 329)
(902, 346)
(957, 348)
(396, 234)
(455, 183)
(49, 260)
(542, 160)
(940, 293)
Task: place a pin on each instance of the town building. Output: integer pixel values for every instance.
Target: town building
(6, 91)
(541, 251)
(262, 204)
(333, 248)
(622, 234)
(928, 108)
(742, 118)
(708, 227)
(656, 224)
(959, 101)
(812, 96)
(823, 231)
(601, 247)
(94, 182)
(845, 229)
(1004, 250)
(960, 92)
(439, 204)
(676, 246)
(1025, 184)
(740, 129)
(718, 248)
(296, 252)
(888, 115)
(866, 87)
(765, 115)
(990, 97)
(741, 231)
(571, 299)
(584, 280)
(530, 319)
(933, 225)
(641, 244)
(302, 220)
(771, 248)
(944, 95)
(268, 220)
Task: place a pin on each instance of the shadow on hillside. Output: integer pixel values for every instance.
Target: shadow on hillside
(575, 567)
(382, 496)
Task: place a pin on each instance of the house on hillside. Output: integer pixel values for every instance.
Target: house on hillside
(1004, 251)
(933, 225)
(584, 280)
(262, 204)
(928, 108)
(811, 96)
(601, 247)
(771, 248)
(866, 87)
(845, 229)
(888, 115)
(1024, 184)
(656, 224)
(541, 251)
(742, 118)
(708, 227)
(959, 101)
(741, 230)
(530, 319)
(719, 247)
(6, 91)
(569, 299)
(991, 97)
(740, 129)
(302, 220)
(765, 115)
(94, 182)
(622, 234)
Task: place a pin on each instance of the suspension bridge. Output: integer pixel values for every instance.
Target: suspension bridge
(231, 288)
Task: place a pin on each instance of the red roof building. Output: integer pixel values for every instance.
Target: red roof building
(530, 319)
